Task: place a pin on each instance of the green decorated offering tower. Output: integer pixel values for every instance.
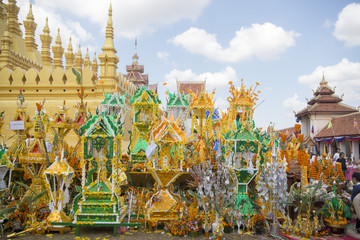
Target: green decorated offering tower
(243, 143)
(99, 201)
(145, 113)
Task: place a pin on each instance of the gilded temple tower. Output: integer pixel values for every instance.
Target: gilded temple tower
(108, 58)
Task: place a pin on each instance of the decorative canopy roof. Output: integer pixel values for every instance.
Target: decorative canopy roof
(101, 124)
(114, 99)
(325, 102)
(202, 100)
(59, 167)
(348, 125)
(168, 130)
(144, 94)
(178, 100)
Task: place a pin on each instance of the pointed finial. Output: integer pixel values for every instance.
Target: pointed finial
(69, 48)
(58, 39)
(109, 22)
(135, 56)
(323, 81)
(79, 51)
(30, 15)
(46, 27)
(87, 58)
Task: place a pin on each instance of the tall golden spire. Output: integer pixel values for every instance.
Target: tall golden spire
(69, 55)
(78, 62)
(30, 27)
(6, 43)
(94, 64)
(109, 33)
(87, 58)
(45, 45)
(13, 11)
(108, 58)
(58, 52)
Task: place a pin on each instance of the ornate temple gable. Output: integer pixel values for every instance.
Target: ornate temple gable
(135, 71)
(325, 102)
(195, 86)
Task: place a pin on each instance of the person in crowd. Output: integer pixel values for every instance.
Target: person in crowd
(342, 160)
(355, 198)
(336, 155)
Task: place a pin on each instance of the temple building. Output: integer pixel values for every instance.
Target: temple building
(42, 73)
(320, 110)
(343, 133)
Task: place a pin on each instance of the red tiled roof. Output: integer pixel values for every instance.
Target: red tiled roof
(326, 108)
(324, 90)
(195, 87)
(342, 126)
(324, 99)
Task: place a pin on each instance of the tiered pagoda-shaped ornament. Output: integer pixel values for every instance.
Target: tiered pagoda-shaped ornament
(242, 102)
(60, 126)
(58, 178)
(99, 201)
(178, 106)
(243, 150)
(165, 166)
(202, 110)
(22, 118)
(145, 113)
(37, 158)
(114, 105)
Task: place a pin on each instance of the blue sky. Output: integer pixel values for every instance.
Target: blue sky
(283, 45)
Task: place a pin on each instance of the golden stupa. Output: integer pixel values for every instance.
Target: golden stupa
(43, 74)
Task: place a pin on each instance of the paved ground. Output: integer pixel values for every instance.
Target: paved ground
(88, 233)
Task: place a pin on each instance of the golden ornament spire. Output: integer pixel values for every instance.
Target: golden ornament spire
(87, 58)
(13, 11)
(30, 27)
(58, 51)
(78, 62)
(45, 45)
(69, 55)
(6, 43)
(108, 58)
(323, 81)
(94, 64)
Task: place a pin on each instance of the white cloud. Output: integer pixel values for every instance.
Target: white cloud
(213, 80)
(348, 24)
(293, 104)
(163, 56)
(264, 41)
(221, 104)
(131, 18)
(345, 75)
